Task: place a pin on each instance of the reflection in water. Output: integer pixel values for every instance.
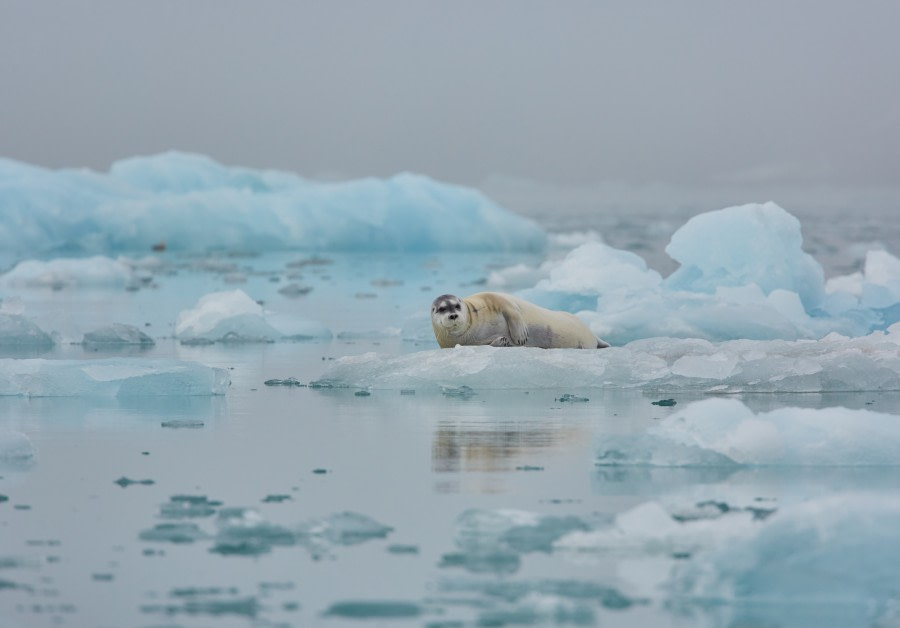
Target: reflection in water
(486, 449)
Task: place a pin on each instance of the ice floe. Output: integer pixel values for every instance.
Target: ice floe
(719, 432)
(232, 316)
(186, 202)
(836, 363)
(113, 377)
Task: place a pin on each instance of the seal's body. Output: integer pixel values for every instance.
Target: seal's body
(502, 320)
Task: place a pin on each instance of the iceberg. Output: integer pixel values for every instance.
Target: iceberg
(742, 274)
(232, 316)
(113, 377)
(867, 363)
(186, 202)
(724, 432)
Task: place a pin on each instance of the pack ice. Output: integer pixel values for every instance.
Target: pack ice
(191, 203)
(114, 377)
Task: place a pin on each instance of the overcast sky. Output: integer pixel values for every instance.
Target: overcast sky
(564, 93)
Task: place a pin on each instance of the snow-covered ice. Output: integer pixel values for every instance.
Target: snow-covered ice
(188, 202)
(112, 377)
(232, 316)
(845, 364)
(721, 432)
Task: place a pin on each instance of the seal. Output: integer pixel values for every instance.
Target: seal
(502, 320)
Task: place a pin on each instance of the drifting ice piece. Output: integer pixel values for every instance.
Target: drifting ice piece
(722, 432)
(232, 316)
(115, 377)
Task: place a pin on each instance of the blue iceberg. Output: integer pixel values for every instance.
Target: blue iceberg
(743, 274)
(188, 202)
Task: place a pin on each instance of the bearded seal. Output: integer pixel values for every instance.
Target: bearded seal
(502, 320)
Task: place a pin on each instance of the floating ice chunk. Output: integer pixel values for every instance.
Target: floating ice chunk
(343, 528)
(757, 244)
(114, 377)
(15, 447)
(232, 316)
(831, 561)
(91, 272)
(243, 532)
(117, 334)
(836, 363)
(189, 202)
(174, 533)
(726, 432)
(650, 528)
(17, 331)
(491, 541)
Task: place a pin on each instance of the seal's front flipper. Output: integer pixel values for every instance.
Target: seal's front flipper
(500, 341)
(518, 330)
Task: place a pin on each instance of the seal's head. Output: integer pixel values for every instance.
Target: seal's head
(448, 312)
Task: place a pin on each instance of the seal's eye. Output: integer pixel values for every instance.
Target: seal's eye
(458, 306)
(442, 309)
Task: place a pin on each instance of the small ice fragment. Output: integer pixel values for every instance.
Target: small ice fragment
(664, 402)
(174, 533)
(407, 391)
(183, 424)
(461, 392)
(276, 499)
(379, 609)
(294, 290)
(572, 398)
(124, 482)
(117, 334)
(396, 548)
(362, 393)
(529, 467)
(290, 381)
(320, 471)
(188, 506)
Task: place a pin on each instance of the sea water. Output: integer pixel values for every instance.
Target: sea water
(237, 437)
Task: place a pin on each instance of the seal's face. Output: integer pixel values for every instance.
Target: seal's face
(448, 312)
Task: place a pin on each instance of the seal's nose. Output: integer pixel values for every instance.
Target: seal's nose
(453, 317)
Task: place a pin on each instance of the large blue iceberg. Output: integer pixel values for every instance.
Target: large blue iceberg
(189, 202)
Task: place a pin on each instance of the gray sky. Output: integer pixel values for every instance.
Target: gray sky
(569, 94)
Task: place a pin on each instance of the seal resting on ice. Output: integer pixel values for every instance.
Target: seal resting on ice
(502, 320)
